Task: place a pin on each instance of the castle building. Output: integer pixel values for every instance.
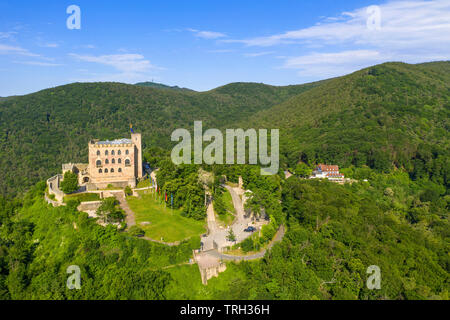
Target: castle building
(117, 163)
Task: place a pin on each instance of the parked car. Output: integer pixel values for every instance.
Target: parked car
(250, 229)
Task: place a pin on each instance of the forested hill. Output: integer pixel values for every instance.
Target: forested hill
(156, 85)
(387, 116)
(40, 131)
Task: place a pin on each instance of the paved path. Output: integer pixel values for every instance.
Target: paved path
(278, 237)
(214, 254)
(217, 236)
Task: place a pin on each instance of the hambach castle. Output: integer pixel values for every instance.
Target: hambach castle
(117, 163)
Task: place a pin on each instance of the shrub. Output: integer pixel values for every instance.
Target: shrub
(128, 191)
(135, 231)
(247, 245)
(70, 182)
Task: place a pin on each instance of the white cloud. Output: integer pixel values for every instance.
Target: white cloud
(257, 54)
(128, 63)
(131, 67)
(207, 34)
(14, 50)
(7, 35)
(326, 65)
(50, 45)
(38, 63)
(403, 23)
(410, 31)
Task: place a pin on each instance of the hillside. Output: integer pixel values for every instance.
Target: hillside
(156, 85)
(387, 116)
(40, 131)
(391, 117)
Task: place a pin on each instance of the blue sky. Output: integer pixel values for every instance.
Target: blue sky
(205, 44)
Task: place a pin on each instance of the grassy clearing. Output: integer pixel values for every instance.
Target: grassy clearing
(82, 197)
(187, 283)
(227, 218)
(143, 184)
(165, 223)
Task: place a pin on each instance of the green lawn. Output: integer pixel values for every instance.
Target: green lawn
(143, 184)
(187, 283)
(82, 197)
(228, 218)
(164, 222)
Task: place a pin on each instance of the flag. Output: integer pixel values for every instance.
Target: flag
(166, 196)
(171, 199)
(131, 128)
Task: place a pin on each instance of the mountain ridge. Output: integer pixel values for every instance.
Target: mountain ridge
(387, 115)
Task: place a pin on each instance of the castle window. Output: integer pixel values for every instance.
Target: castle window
(112, 152)
(113, 161)
(106, 161)
(98, 152)
(106, 170)
(127, 163)
(106, 152)
(120, 169)
(98, 163)
(100, 171)
(119, 152)
(119, 160)
(127, 152)
(112, 170)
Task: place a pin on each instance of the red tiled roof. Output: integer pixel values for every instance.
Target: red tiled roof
(326, 168)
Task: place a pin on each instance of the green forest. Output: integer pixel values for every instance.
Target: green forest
(386, 126)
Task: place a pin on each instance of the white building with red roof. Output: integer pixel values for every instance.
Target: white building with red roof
(330, 172)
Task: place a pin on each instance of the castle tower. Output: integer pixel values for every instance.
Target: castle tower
(136, 139)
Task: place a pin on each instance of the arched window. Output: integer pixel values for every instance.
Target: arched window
(127, 152)
(100, 171)
(112, 170)
(106, 170)
(113, 153)
(119, 160)
(113, 161)
(119, 152)
(106, 152)
(99, 163)
(127, 163)
(120, 169)
(106, 161)
(98, 152)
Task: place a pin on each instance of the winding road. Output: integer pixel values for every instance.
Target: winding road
(217, 237)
